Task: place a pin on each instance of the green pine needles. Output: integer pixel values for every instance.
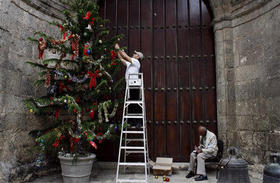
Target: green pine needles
(80, 75)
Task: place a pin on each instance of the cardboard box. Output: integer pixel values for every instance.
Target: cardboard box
(163, 166)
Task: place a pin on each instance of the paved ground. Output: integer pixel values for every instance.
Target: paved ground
(108, 176)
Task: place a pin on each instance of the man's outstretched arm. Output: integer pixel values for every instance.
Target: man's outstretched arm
(121, 59)
(123, 54)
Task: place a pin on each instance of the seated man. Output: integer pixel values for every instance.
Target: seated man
(208, 148)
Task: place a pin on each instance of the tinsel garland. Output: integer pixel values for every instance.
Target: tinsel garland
(104, 106)
(73, 78)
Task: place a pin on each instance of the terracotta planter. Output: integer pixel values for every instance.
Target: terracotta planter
(76, 171)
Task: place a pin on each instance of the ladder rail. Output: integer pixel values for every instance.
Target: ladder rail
(119, 156)
(125, 132)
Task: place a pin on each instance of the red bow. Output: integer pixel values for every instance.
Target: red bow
(93, 77)
(87, 16)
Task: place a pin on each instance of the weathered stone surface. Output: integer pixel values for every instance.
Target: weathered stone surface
(18, 21)
(248, 86)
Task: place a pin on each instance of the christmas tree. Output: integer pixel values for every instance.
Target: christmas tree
(80, 81)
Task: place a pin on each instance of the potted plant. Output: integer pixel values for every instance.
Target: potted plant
(80, 79)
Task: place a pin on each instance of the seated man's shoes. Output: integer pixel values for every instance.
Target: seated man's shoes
(201, 178)
(190, 175)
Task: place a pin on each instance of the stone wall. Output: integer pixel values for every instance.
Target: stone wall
(248, 76)
(18, 20)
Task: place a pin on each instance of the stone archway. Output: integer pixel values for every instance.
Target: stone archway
(179, 69)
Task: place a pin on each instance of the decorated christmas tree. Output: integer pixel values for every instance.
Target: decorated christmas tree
(80, 80)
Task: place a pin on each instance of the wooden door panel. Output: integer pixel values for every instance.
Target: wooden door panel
(173, 140)
(159, 139)
(185, 106)
(159, 73)
(171, 102)
(194, 8)
(177, 40)
(159, 107)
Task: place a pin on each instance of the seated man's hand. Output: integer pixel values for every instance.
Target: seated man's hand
(117, 46)
(199, 151)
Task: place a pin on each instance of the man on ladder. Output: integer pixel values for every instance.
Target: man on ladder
(132, 70)
(134, 109)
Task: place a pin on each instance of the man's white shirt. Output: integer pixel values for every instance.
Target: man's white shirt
(132, 68)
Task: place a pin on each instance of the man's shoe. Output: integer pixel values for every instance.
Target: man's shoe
(201, 178)
(190, 175)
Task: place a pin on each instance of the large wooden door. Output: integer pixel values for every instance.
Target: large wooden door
(176, 38)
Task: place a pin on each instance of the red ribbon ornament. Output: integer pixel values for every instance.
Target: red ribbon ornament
(72, 141)
(92, 21)
(62, 86)
(113, 57)
(93, 77)
(61, 28)
(93, 144)
(85, 50)
(87, 16)
(56, 143)
(91, 114)
(56, 113)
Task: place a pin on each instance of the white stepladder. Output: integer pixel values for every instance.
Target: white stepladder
(135, 81)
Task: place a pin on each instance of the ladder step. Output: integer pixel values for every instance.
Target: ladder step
(134, 152)
(132, 164)
(128, 116)
(134, 101)
(128, 180)
(134, 114)
(132, 147)
(136, 132)
(134, 140)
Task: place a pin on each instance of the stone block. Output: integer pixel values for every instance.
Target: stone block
(261, 123)
(27, 87)
(260, 140)
(10, 81)
(244, 122)
(271, 88)
(244, 139)
(274, 141)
